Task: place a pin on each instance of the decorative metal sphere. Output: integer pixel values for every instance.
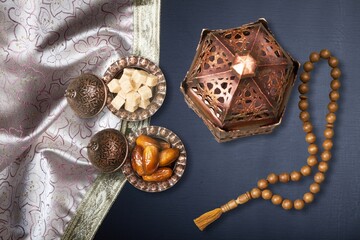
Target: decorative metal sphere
(86, 95)
(108, 150)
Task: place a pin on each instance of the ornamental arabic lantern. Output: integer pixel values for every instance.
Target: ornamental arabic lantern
(239, 81)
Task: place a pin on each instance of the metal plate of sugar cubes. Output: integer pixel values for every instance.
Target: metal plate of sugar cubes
(158, 92)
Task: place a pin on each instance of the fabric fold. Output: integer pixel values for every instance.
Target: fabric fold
(44, 170)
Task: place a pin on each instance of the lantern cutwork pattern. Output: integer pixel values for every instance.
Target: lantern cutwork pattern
(239, 81)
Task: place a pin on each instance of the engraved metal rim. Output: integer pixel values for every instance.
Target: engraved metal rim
(159, 91)
(179, 167)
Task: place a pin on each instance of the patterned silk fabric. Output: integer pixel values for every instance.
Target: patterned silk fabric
(44, 170)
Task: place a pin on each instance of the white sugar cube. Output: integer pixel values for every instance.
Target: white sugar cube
(118, 102)
(139, 76)
(130, 108)
(125, 78)
(145, 92)
(114, 86)
(128, 71)
(136, 84)
(133, 98)
(151, 80)
(126, 84)
(122, 94)
(144, 103)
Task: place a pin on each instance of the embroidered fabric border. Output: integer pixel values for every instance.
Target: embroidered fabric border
(99, 199)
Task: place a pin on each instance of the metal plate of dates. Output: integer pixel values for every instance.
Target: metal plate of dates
(179, 166)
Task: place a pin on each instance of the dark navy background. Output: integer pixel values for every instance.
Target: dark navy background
(217, 172)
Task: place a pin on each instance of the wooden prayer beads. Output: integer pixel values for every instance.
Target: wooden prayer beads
(310, 137)
(263, 184)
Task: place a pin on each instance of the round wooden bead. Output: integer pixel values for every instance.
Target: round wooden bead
(327, 144)
(255, 193)
(272, 178)
(331, 117)
(266, 194)
(299, 204)
(332, 107)
(326, 155)
(307, 127)
(276, 199)
(303, 97)
(319, 177)
(335, 84)
(312, 149)
(333, 62)
(284, 177)
(303, 104)
(314, 188)
(310, 138)
(312, 160)
(304, 116)
(287, 204)
(262, 184)
(314, 57)
(303, 88)
(323, 166)
(305, 170)
(295, 176)
(308, 197)
(325, 53)
(335, 73)
(334, 95)
(308, 66)
(328, 133)
(305, 77)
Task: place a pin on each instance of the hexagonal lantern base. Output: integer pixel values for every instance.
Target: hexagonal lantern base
(239, 81)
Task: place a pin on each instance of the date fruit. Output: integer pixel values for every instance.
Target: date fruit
(168, 156)
(150, 159)
(161, 174)
(164, 144)
(137, 160)
(145, 141)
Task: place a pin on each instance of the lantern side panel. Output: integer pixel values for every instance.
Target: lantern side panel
(267, 51)
(249, 107)
(273, 82)
(214, 93)
(239, 40)
(213, 57)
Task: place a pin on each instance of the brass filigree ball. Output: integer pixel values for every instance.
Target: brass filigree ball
(86, 95)
(108, 150)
